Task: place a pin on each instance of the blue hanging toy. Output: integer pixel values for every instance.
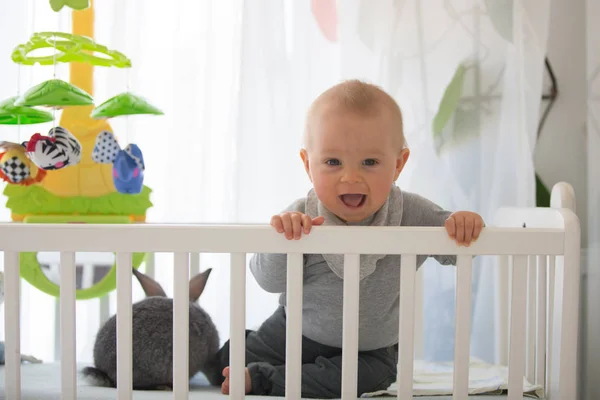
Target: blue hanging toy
(128, 163)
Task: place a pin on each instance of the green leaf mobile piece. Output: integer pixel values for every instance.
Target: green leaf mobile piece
(79, 5)
(68, 48)
(55, 93)
(450, 100)
(10, 114)
(124, 104)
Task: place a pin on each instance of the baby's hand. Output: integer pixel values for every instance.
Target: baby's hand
(291, 223)
(464, 227)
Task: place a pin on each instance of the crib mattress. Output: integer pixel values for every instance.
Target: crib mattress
(42, 382)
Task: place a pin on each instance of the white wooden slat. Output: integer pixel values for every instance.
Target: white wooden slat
(124, 327)
(12, 326)
(150, 264)
(501, 311)
(531, 318)
(293, 350)
(516, 361)
(464, 271)
(406, 338)
(181, 311)
(350, 326)
(540, 356)
(264, 239)
(566, 319)
(419, 316)
(104, 310)
(237, 349)
(67, 326)
(550, 318)
(194, 263)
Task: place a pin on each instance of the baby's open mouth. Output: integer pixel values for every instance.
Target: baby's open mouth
(353, 200)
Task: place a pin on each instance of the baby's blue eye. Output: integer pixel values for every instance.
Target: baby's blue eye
(333, 161)
(370, 162)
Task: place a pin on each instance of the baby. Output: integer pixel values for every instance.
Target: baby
(354, 152)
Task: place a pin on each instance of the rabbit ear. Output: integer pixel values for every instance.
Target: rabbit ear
(197, 284)
(150, 286)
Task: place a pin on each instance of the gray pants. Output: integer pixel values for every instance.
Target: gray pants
(321, 365)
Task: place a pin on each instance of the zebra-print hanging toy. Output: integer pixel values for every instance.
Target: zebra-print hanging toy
(58, 150)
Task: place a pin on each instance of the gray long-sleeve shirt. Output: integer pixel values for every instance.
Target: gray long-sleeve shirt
(380, 274)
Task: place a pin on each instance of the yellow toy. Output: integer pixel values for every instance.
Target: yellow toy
(77, 188)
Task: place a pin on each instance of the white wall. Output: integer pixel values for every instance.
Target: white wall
(560, 152)
(562, 155)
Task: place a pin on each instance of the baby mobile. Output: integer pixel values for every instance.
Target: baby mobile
(32, 161)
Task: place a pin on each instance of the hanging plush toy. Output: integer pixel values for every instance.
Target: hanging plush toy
(57, 150)
(128, 164)
(16, 167)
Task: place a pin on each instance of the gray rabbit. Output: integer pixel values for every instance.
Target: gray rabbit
(152, 334)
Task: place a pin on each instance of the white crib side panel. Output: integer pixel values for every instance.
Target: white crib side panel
(293, 342)
(124, 327)
(181, 312)
(237, 353)
(566, 312)
(501, 309)
(67, 325)
(350, 326)
(419, 315)
(550, 317)
(12, 322)
(531, 319)
(406, 332)
(464, 271)
(563, 196)
(540, 354)
(516, 361)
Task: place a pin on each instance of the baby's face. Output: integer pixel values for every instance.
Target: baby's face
(352, 161)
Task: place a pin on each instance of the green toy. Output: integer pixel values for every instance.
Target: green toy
(124, 104)
(72, 48)
(55, 93)
(10, 114)
(32, 272)
(73, 195)
(79, 5)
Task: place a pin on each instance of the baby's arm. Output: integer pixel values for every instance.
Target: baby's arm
(270, 270)
(419, 211)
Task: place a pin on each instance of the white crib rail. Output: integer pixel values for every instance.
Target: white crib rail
(350, 241)
(540, 288)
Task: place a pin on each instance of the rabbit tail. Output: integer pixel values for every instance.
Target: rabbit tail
(99, 376)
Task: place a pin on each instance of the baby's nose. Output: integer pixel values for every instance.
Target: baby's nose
(351, 176)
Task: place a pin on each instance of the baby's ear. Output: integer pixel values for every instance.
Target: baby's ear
(401, 161)
(304, 157)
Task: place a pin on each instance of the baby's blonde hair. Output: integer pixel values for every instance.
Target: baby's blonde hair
(359, 97)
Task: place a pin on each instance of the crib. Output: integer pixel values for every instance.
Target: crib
(537, 248)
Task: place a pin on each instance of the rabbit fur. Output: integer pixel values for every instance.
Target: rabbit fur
(152, 334)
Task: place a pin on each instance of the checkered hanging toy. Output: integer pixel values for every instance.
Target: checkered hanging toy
(128, 163)
(16, 167)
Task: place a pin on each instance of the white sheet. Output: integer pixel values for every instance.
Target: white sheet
(432, 382)
(433, 379)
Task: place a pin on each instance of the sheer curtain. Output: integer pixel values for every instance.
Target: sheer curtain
(235, 78)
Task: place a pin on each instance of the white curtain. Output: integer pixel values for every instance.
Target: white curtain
(234, 80)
